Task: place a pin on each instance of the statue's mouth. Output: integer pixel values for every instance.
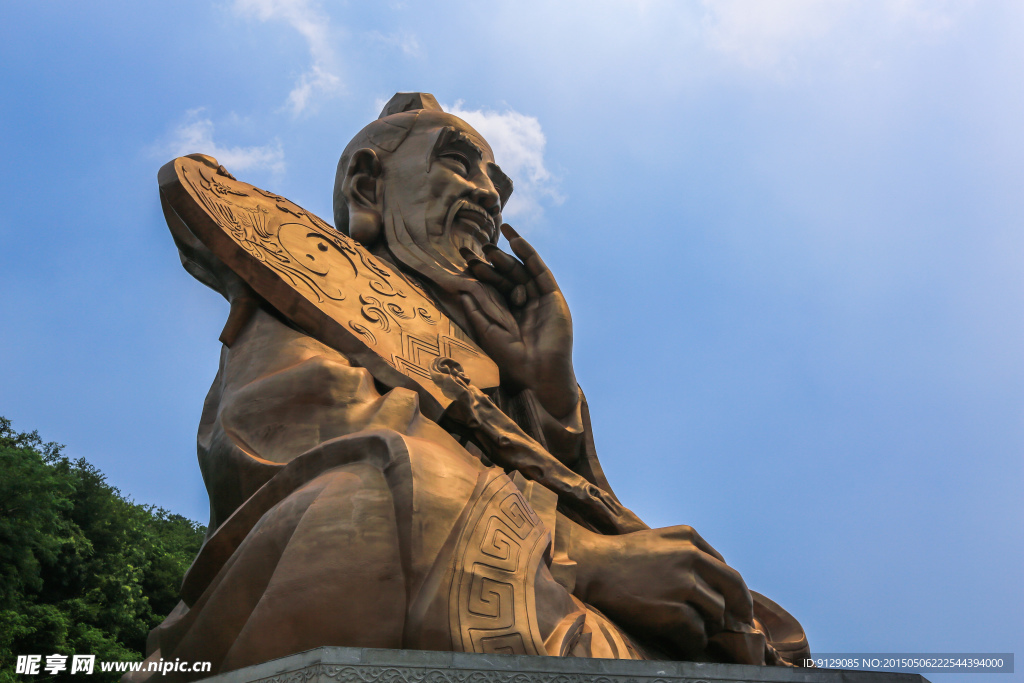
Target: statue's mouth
(470, 226)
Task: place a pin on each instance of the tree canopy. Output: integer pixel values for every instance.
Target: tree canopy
(83, 569)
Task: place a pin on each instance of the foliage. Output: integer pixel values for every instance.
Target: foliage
(83, 570)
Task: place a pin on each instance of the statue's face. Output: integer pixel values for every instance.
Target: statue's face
(447, 189)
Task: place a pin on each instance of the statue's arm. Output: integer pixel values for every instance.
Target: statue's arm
(570, 439)
(506, 444)
(562, 437)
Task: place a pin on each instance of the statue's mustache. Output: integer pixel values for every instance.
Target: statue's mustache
(413, 250)
(481, 219)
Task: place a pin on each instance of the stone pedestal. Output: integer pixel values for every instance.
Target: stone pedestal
(365, 665)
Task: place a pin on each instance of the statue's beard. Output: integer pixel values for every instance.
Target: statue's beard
(413, 250)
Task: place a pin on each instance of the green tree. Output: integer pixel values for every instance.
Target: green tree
(83, 570)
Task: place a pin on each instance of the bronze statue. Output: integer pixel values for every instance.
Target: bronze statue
(396, 449)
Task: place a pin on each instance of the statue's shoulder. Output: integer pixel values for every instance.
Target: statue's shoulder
(323, 281)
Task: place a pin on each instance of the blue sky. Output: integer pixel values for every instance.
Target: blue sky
(791, 234)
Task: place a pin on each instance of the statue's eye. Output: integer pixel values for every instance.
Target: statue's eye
(459, 161)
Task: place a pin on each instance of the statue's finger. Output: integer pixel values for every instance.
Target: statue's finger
(698, 541)
(683, 532)
(520, 247)
(532, 261)
(523, 249)
(507, 265)
(486, 273)
(709, 603)
(730, 584)
(545, 280)
(509, 232)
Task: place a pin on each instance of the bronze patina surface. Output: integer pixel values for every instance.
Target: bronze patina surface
(349, 299)
(395, 446)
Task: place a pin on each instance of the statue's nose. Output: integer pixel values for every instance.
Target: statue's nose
(486, 196)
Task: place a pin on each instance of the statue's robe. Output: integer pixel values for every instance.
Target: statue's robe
(340, 515)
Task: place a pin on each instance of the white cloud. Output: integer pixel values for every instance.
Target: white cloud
(518, 143)
(316, 79)
(314, 26)
(195, 135)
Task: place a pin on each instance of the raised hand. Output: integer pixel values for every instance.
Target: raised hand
(535, 350)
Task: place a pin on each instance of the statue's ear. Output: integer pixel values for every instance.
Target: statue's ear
(364, 194)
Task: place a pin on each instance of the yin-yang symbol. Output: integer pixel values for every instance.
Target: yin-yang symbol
(306, 247)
